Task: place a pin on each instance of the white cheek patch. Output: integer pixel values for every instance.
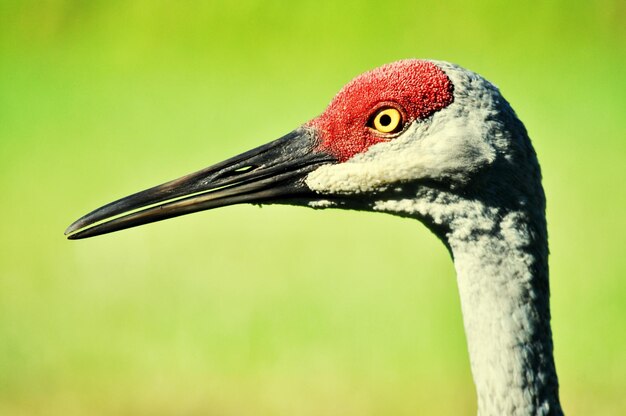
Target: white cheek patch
(372, 170)
(448, 148)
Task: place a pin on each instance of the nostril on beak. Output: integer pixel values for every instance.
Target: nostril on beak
(244, 169)
(237, 171)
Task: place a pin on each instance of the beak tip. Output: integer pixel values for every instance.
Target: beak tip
(77, 233)
(70, 229)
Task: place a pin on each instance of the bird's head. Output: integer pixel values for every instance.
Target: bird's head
(404, 134)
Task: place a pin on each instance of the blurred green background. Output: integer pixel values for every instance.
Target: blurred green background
(281, 310)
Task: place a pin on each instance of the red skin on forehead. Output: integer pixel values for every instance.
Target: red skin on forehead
(417, 88)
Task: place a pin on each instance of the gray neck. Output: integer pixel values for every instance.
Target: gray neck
(501, 257)
(502, 275)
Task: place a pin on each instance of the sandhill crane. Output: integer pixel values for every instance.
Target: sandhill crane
(422, 139)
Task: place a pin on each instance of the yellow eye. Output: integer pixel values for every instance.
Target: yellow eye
(387, 120)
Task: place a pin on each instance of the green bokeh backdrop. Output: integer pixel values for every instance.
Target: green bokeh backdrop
(279, 310)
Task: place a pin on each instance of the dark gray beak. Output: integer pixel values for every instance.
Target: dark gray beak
(272, 173)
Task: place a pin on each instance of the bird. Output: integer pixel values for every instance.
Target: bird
(421, 139)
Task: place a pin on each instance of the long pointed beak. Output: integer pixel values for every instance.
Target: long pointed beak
(274, 172)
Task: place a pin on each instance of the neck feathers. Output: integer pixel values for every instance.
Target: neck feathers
(500, 253)
(502, 275)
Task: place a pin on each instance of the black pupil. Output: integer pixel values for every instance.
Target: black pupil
(385, 120)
